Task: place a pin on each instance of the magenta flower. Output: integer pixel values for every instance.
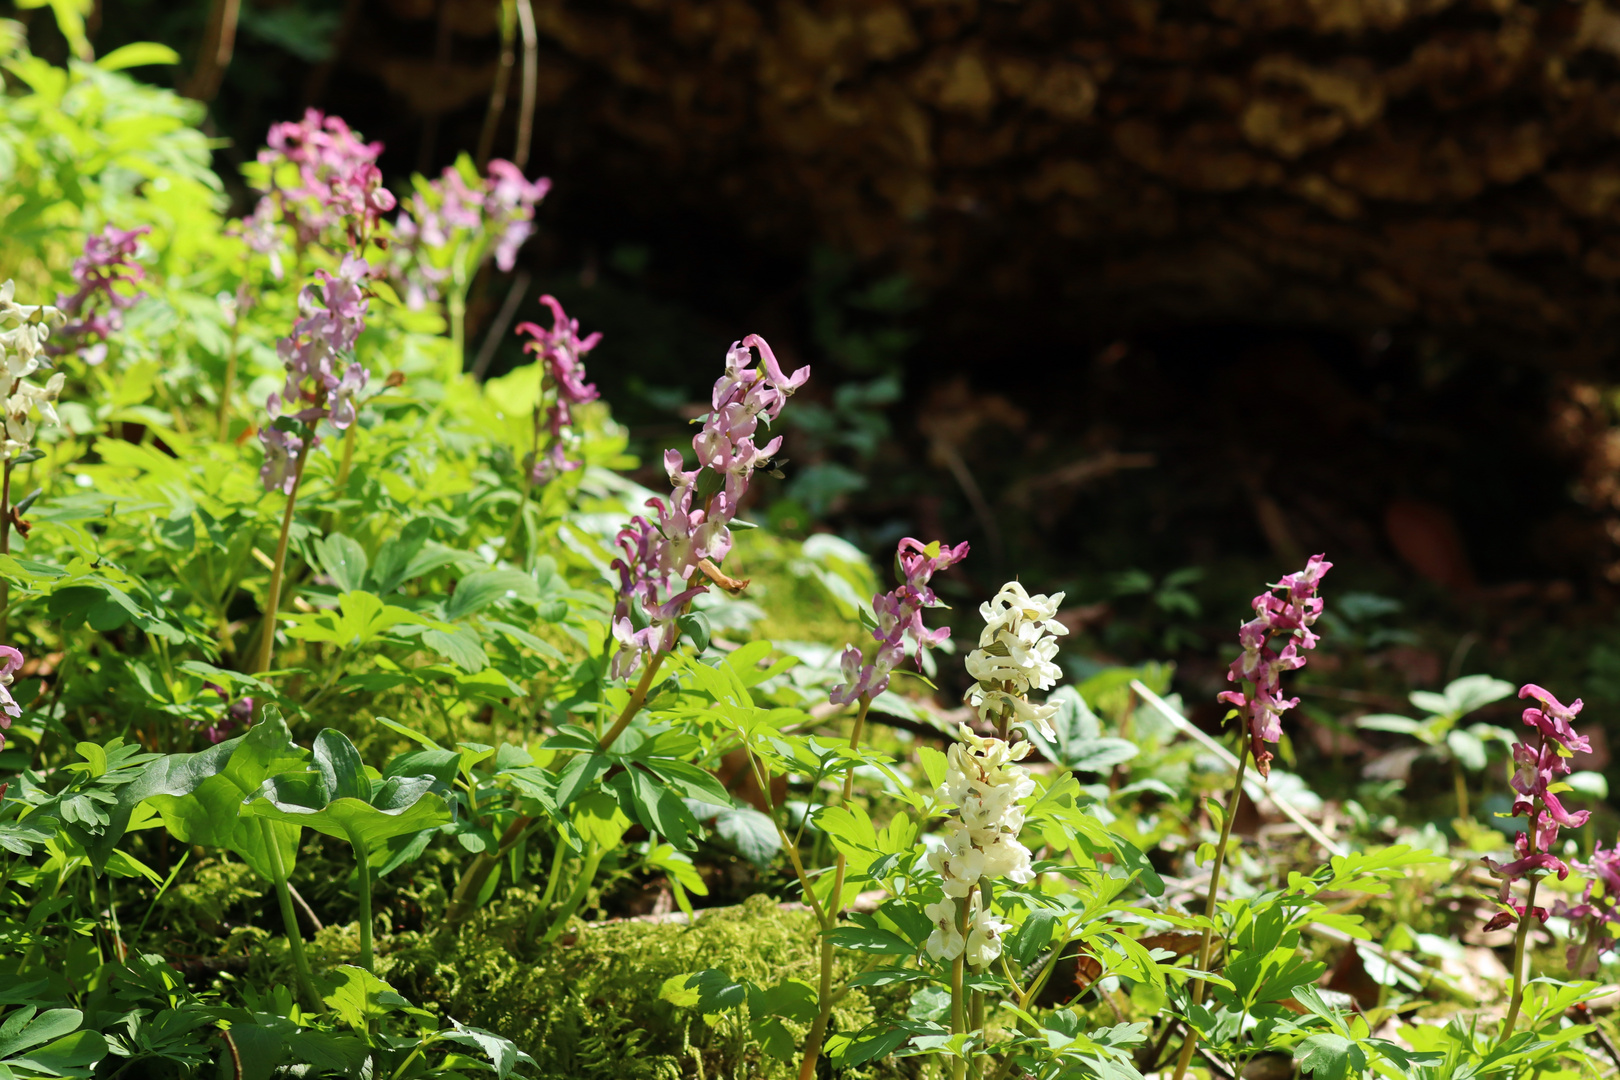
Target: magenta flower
(1537, 768)
(692, 527)
(1285, 619)
(562, 354)
(338, 184)
(96, 309)
(899, 615)
(1554, 720)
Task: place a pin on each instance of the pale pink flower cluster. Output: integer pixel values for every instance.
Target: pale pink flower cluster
(694, 524)
(1538, 766)
(321, 382)
(1595, 914)
(338, 184)
(561, 353)
(1285, 619)
(899, 615)
(449, 210)
(96, 309)
(10, 661)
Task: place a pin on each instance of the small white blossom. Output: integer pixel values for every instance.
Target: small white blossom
(22, 347)
(1016, 655)
(945, 943)
(984, 935)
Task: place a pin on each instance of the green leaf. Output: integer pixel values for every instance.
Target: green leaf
(751, 833)
(502, 1053)
(479, 590)
(395, 557)
(209, 814)
(340, 766)
(24, 1029)
(1462, 696)
(872, 940)
(138, 54)
(357, 996)
(1401, 725)
(1330, 1057)
(71, 1055)
(1467, 748)
(172, 774)
(459, 646)
(344, 561)
(695, 626)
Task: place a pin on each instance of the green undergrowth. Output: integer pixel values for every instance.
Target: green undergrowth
(589, 1006)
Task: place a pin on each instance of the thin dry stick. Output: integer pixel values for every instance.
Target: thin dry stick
(1287, 809)
(497, 329)
(503, 79)
(218, 48)
(531, 76)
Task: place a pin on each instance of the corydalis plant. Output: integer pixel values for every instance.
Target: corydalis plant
(691, 531)
(1536, 799)
(322, 383)
(449, 222)
(1594, 915)
(898, 616)
(985, 789)
(1271, 643)
(560, 352)
(1283, 621)
(106, 275)
(23, 352)
(323, 182)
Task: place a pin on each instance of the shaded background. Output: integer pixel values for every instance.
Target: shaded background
(1148, 299)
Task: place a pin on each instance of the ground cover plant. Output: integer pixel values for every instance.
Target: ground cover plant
(363, 718)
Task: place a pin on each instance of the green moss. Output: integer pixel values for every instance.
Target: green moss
(589, 1007)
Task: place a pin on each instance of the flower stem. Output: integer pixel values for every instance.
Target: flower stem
(638, 698)
(478, 871)
(5, 545)
(1519, 940)
(958, 997)
(834, 908)
(1197, 990)
(272, 600)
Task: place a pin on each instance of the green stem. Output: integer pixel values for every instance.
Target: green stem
(289, 918)
(458, 315)
(478, 871)
(958, 997)
(1459, 779)
(835, 908)
(1197, 991)
(1519, 941)
(976, 1022)
(272, 600)
(587, 874)
(5, 545)
(362, 859)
